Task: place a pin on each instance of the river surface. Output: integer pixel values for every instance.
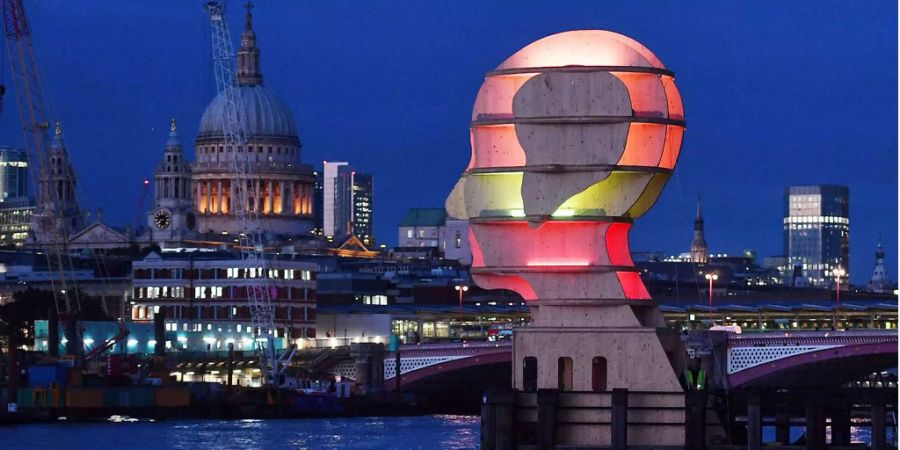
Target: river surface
(418, 432)
(421, 432)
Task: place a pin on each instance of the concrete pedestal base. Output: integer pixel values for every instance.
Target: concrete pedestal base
(586, 348)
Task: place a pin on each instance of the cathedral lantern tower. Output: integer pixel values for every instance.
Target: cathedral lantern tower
(284, 185)
(171, 219)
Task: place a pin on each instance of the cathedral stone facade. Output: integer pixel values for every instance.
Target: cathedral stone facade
(283, 185)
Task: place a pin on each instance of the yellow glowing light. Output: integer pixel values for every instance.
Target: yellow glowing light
(564, 212)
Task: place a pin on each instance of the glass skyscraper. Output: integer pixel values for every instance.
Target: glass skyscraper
(16, 207)
(353, 204)
(816, 234)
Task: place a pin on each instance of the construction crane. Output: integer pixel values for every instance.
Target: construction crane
(51, 161)
(251, 242)
(141, 201)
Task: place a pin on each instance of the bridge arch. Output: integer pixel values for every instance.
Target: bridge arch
(830, 366)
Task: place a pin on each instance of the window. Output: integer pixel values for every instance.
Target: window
(529, 374)
(409, 233)
(421, 233)
(598, 374)
(564, 374)
(458, 240)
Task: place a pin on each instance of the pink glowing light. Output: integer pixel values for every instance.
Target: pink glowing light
(558, 263)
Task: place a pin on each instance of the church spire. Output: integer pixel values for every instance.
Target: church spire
(248, 55)
(698, 221)
(699, 249)
(879, 282)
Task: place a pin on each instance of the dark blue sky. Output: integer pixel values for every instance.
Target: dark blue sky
(776, 93)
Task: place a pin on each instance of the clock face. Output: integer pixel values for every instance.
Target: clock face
(162, 220)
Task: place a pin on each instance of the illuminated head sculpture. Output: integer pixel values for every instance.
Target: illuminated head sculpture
(573, 137)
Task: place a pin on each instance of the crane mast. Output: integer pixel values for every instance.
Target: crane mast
(251, 242)
(54, 169)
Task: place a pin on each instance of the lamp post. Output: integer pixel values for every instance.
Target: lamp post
(711, 277)
(838, 273)
(461, 288)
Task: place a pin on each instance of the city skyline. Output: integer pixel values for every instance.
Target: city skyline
(401, 107)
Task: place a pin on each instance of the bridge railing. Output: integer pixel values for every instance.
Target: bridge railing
(812, 338)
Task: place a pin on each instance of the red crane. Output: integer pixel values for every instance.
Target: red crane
(140, 208)
(36, 124)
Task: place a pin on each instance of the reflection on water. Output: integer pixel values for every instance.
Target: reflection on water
(422, 432)
(858, 434)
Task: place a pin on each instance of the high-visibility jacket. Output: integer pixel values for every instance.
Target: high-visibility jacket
(700, 383)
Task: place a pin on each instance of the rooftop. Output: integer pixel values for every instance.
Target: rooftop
(424, 217)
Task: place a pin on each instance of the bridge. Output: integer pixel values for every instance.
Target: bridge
(739, 360)
(800, 358)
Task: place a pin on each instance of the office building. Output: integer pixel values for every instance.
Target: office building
(816, 234)
(206, 299)
(16, 206)
(347, 199)
(353, 205)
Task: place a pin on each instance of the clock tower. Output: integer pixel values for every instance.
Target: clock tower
(171, 219)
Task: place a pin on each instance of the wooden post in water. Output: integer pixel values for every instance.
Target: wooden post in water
(878, 441)
(230, 364)
(619, 422)
(754, 422)
(547, 400)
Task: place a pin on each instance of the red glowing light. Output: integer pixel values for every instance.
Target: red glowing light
(146, 182)
(617, 244)
(632, 286)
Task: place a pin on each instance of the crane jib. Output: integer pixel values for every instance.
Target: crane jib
(251, 242)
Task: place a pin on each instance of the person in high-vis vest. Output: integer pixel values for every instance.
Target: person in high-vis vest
(694, 381)
(694, 377)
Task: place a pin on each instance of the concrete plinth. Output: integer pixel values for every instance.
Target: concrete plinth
(632, 358)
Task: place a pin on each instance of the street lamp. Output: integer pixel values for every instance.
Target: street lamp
(461, 288)
(838, 273)
(711, 277)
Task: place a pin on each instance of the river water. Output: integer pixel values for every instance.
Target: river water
(417, 432)
(421, 432)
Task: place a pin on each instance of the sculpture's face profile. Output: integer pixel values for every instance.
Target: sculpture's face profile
(572, 137)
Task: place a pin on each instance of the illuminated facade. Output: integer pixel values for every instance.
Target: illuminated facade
(573, 137)
(347, 202)
(817, 233)
(205, 297)
(16, 206)
(280, 186)
(354, 196)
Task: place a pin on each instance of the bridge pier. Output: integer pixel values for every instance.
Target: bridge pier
(547, 400)
(754, 422)
(815, 424)
(782, 424)
(840, 427)
(878, 410)
(368, 359)
(498, 412)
